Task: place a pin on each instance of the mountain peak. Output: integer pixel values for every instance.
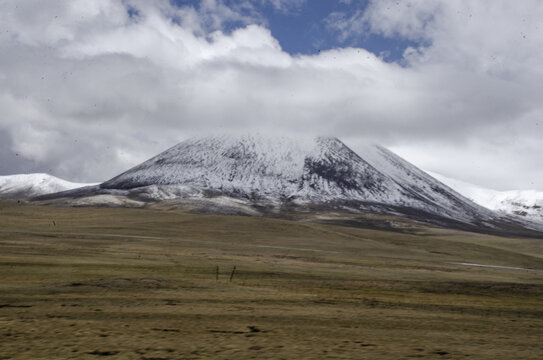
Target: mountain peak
(320, 170)
(269, 165)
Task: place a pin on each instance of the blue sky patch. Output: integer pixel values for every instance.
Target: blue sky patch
(305, 28)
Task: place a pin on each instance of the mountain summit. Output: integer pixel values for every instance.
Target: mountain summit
(281, 169)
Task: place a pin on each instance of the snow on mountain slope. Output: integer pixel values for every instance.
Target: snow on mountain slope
(29, 185)
(301, 170)
(521, 203)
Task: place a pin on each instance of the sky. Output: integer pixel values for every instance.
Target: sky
(89, 89)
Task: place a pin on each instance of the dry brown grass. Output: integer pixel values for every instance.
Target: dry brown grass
(140, 284)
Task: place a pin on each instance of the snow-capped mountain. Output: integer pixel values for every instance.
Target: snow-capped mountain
(526, 204)
(28, 185)
(278, 169)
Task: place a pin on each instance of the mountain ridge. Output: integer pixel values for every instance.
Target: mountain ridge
(21, 186)
(523, 204)
(279, 168)
(271, 175)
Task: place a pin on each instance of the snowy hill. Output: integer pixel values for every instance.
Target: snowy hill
(526, 204)
(29, 185)
(276, 169)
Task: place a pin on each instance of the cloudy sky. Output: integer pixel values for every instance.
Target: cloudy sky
(91, 88)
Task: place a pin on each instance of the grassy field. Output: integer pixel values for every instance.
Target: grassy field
(111, 283)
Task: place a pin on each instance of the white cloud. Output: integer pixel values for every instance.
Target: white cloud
(411, 19)
(88, 89)
(478, 75)
(285, 5)
(347, 25)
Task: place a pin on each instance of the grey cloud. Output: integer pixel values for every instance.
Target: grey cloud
(100, 95)
(11, 162)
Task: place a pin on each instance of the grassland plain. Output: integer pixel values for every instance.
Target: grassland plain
(114, 283)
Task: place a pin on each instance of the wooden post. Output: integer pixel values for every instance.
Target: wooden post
(232, 274)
